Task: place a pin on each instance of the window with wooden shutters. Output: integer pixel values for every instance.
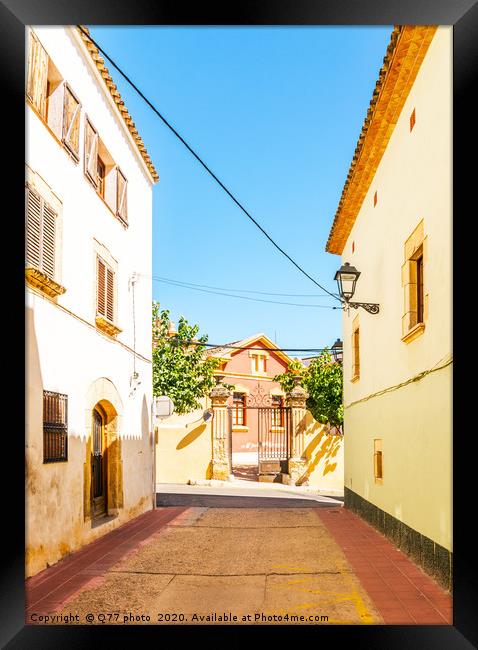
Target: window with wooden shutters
(71, 122)
(37, 77)
(415, 310)
(55, 427)
(105, 291)
(40, 234)
(91, 153)
(121, 201)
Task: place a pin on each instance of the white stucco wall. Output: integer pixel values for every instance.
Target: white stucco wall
(66, 353)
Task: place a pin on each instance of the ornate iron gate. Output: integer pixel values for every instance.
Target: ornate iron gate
(273, 433)
(273, 425)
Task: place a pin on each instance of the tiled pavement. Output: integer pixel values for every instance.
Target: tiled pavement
(48, 590)
(403, 593)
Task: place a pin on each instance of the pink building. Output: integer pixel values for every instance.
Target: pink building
(258, 417)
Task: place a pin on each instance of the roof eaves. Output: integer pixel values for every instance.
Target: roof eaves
(392, 88)
(114, 92)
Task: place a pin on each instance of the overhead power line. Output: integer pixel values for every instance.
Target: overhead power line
(238, 347)
(263, 293)
(218, 293)
(199, 159)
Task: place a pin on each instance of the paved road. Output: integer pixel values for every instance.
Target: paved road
(260, 565)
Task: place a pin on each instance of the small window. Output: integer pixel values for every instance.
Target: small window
(105, 304)
(40, 234)
(355, 352)
(258, 364)
(415, 312)
(239, 409)
(277, 414)
(419, 287)
(378, 461)
(55, 427)
(412, 119)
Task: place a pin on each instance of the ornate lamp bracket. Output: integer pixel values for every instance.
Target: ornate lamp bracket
(371, 307)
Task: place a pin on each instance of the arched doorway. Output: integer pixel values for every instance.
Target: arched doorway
(99, 464)
(103, 457)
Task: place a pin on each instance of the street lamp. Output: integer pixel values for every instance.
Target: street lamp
(337, 351)
(347, 277)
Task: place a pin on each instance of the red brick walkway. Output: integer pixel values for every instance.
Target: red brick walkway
(403, 593)
(48, 590)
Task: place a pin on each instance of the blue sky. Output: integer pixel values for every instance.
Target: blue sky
(276, 113)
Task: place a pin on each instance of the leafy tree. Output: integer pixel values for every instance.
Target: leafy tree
(179, 369)
(322, 379)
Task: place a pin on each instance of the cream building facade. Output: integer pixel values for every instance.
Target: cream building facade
(89, 179)
(394, 224)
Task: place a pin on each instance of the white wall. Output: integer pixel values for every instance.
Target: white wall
(66, 353)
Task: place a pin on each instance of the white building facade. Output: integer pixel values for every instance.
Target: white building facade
(89, 179)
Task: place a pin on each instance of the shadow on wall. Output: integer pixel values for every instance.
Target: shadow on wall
(145, 419)
(191, 436)
(321, 447)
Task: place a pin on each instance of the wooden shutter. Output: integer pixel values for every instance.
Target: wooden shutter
(110, 295)
(41, 234)
(33, 228)
(55, 101)
(48, 241)
(91, 153)
(71, 122)
(101, 284)
(121, 196)
(32, 45)
(37, 74)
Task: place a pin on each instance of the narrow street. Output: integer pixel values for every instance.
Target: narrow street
(262, 565)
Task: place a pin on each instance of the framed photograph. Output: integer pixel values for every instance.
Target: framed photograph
(205, 192)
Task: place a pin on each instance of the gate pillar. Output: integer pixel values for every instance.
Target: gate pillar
(221, 465)
(296, 399)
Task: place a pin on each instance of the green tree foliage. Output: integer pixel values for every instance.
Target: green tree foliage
(322, 379)
(180, 370)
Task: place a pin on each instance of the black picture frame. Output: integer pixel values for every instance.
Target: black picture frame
(463, 15)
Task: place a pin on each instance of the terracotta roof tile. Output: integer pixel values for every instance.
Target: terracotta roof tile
(405, 53)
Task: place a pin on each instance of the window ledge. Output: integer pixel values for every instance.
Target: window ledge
(40, 280)
(106, 326)
(239, 427)
(414, 333)
(277, 429)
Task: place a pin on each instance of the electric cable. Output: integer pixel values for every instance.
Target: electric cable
(275, 302)
(199, 159)
(263, 293)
